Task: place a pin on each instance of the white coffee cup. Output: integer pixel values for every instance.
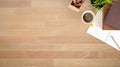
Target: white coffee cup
(88, 17)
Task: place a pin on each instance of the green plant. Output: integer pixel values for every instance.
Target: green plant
(100, 3)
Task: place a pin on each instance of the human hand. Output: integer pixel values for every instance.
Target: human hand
(77, 2)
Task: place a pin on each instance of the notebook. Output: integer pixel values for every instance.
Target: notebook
(116, 38)
(113, 16)
(103, 35)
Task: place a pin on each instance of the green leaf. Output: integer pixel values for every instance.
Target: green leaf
(100, 3)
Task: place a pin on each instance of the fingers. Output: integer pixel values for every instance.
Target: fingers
(77, 2)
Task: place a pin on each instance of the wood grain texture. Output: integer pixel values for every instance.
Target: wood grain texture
(14, 3)
(48, 34)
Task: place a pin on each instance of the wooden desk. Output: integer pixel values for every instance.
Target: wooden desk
(48, 34)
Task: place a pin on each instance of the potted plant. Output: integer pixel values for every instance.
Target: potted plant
(100, 3)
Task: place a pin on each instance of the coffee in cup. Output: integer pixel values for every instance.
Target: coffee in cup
(88, 17)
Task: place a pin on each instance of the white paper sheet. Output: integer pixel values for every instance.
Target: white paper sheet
(116, 37)
(104, 35)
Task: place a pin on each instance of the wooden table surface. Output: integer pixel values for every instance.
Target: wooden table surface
(46, 33)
